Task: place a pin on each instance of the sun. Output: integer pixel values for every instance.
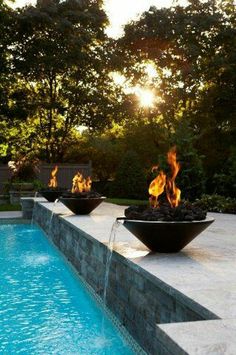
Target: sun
(146, 97)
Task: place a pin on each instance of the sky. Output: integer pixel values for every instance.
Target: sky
(120, 11)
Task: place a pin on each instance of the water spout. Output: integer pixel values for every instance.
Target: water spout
(111, 242)
(52, 214)
(110, 248)
(33, 212)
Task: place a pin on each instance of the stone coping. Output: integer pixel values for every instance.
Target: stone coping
(214, 337)
(204, 272)
(10, 215)
(202, 275)
(123, 253)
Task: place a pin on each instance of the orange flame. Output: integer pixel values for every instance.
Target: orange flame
(156, 188)
(162, 182)
(53, 180)
(81, 184)
(172, 192)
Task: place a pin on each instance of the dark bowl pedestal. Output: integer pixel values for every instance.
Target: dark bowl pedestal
(166, 237)
(51, 195)
(82, 205)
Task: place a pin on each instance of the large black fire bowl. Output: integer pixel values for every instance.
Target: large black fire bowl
(166, 237)
(81, 205)
(51, 195)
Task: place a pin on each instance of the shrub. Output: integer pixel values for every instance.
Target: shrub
(149, 140)
(104, 151)
(38, 184)
(224, 181)
(102, 187)
(25, 169)
(130, 180)
(217, 203)
(191, 178)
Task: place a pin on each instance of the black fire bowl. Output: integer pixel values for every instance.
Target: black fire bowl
(166, 237)
(51, 195)
(80, 205)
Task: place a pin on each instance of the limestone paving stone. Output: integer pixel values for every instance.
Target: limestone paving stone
(210, 337)
(7, 215)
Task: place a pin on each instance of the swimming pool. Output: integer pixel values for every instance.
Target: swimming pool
(44, 307)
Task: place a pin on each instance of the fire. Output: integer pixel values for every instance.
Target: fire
(156, 188)
(53, 180)
(164, 183)
(172, 192)
(81, 184)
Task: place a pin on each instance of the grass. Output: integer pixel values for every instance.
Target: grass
(9, 207)
(127, 202)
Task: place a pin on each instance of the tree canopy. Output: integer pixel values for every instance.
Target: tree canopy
(193, 49)
(61, 61)
(56, 74)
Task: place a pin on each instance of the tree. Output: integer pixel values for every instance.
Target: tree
(105, 150)
(191, 178)
(193, 49)
(62, 65)
(130, 180)
(5, 77)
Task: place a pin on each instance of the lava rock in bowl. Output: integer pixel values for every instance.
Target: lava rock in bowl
(184, 212)
(52, 193)
(82, 202)
(166, 229)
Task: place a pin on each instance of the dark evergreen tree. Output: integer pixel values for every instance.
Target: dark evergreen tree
(130, 180)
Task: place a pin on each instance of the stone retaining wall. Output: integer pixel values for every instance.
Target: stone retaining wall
(138, 299)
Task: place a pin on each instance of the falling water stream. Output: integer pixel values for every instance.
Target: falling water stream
(110, 248)
(52, 214)
(33, 212)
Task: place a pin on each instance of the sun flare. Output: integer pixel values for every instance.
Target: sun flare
(146, 97)
(118, 78)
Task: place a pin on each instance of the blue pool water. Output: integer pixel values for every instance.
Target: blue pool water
(44, 307)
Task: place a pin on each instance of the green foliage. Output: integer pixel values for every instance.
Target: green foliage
(25, 173)
(191, 177)
(24, 169)
(127, 202)
(10, 207)
(102, 187)
(60, 62)
(130, 181)
(6, 79)
(193, 49)
(106, 155)
(148, 138)
(224, 181)
(55, 66)
(104, 150)
(217, 203)
(38, 184)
